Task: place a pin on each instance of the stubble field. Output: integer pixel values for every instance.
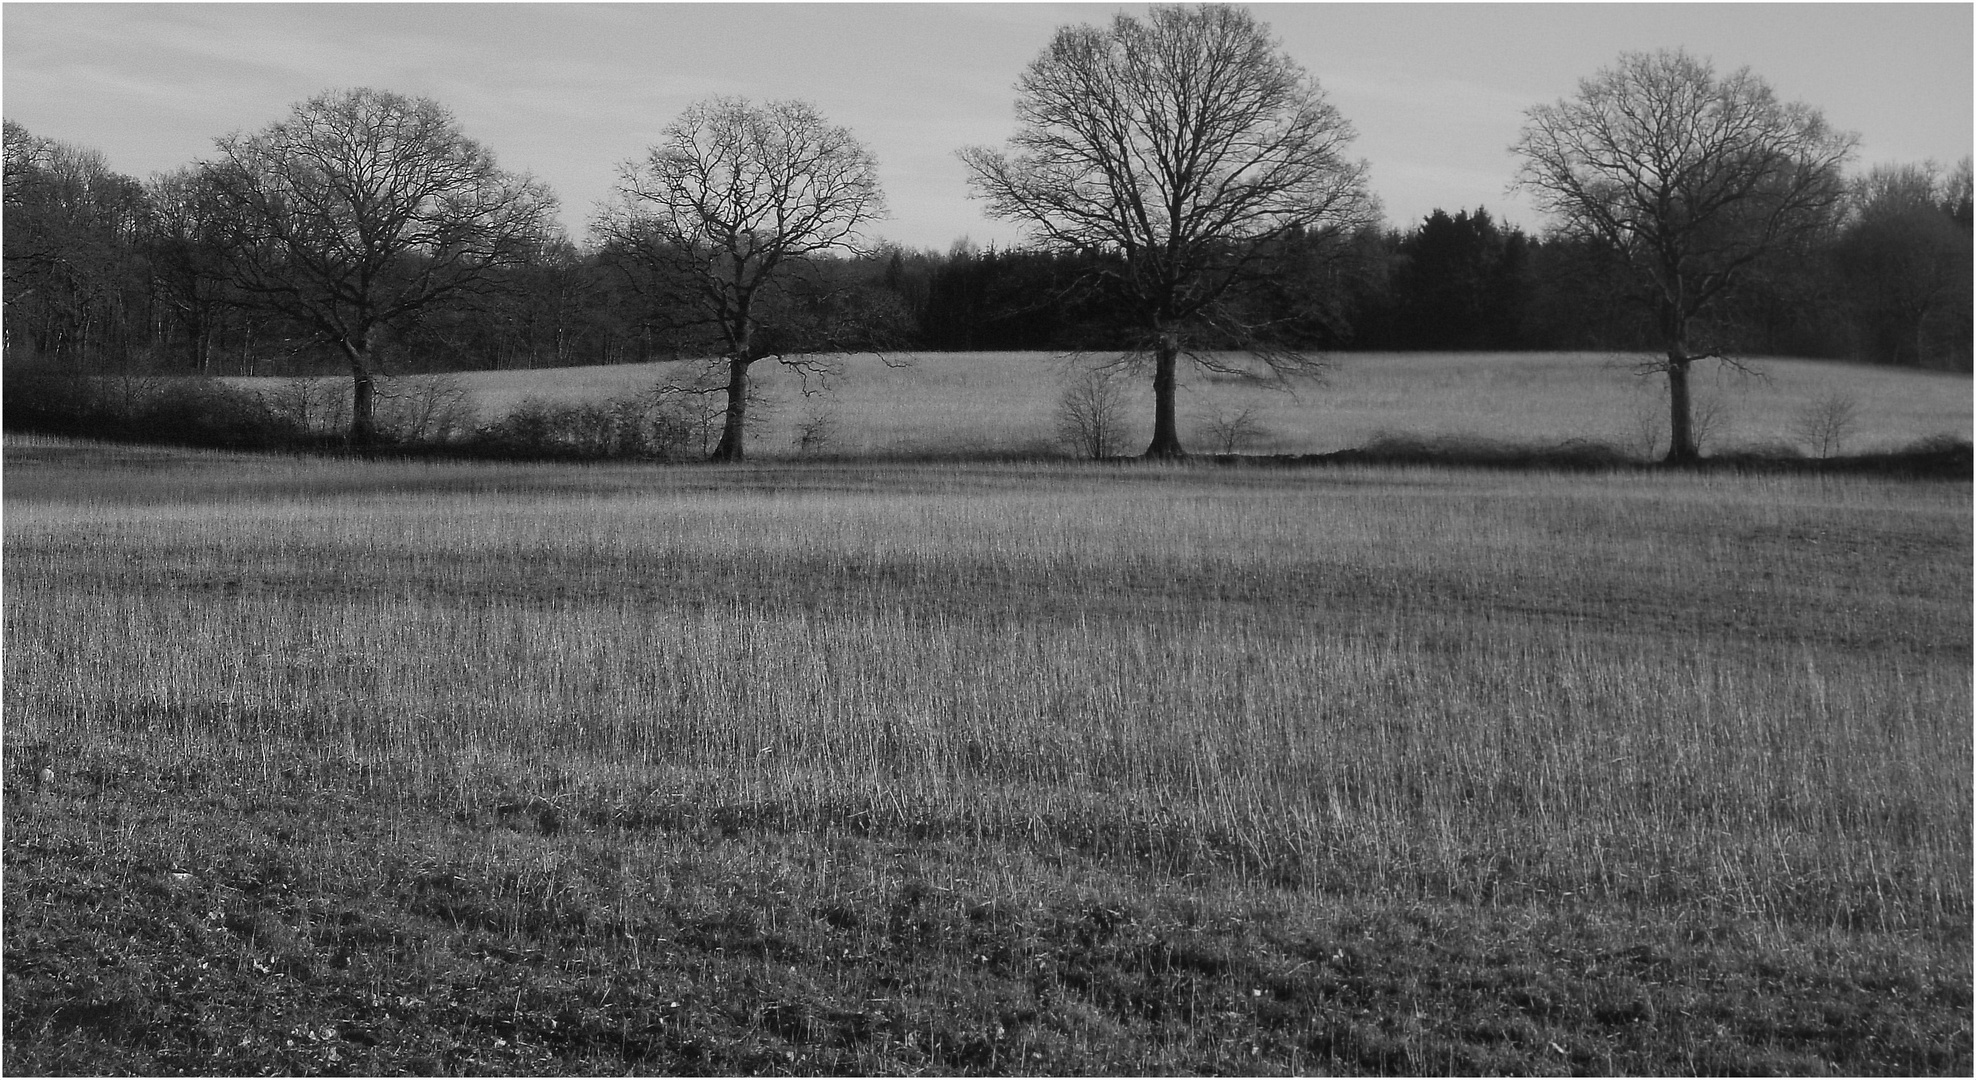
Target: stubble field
(975, 767)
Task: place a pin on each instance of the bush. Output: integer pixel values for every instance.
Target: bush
(1231, 428)
(1091, 414)
(657, 425)
(206, 412)
(424, 410)
(1469, 450)
(1711, 415)
(1826, 424)
(816, 432)
(541, 429)
(43, 398)
(1937, 445)
(318, 406)
(136, 405)
(1944, 457)
(1773, 450)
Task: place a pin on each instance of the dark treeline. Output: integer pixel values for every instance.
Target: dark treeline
(1890, 284)
(104, 272)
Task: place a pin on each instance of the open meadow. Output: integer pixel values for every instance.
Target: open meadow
(1025, 767)
(989, 404)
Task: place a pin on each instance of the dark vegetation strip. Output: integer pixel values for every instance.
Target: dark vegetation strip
(1928, 459)
(208, 414)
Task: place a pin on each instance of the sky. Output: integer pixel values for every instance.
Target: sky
(568, 92)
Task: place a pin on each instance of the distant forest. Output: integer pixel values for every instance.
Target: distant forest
(104, 272)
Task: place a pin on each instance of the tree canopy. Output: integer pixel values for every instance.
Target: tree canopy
(1905, 259)
(1691, 177)
(1183, 151)
(365, 207)
(733, 198)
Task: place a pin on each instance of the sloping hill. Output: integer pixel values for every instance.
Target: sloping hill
(966, 403)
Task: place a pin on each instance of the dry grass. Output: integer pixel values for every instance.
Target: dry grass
(1004, 403)
(1680, 689)
(1355, 698)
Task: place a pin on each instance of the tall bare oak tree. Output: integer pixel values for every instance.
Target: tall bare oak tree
(734, 198)
(363, 208)
(1183, 152)
(1691, 178)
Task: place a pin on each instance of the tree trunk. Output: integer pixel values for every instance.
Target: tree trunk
(1166, 430)
(740, 340)
(195, 341)
(363, 427)
(1681, 448)
(733, 429)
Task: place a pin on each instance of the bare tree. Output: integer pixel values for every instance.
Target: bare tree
(1091, 413)
(426, 408)
(1691, 178)
(310, 404)
(363, 208)
(728, 206)
(1191, 155)
(1231, 427)
(1826, 424)
(185, 245)
(73, 253)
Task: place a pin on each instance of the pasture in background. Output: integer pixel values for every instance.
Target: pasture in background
(1001, 404)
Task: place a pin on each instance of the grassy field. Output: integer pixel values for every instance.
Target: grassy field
(1000, 768)
(973, 404)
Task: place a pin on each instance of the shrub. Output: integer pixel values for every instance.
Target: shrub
(1711, 415)
(1826, 424)
(44, 398)
(1938, 443)
(424, 409)
(1647, 432)
(138, 405)
(200, 411)
(1231, 428)
(660, 424)
(320, 407)
(543, 429)
(1091, 413)
(1472, 450)
(816, 432)
(1773, 450)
